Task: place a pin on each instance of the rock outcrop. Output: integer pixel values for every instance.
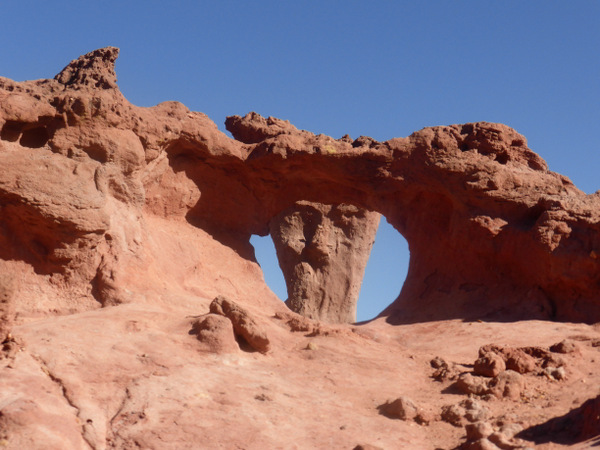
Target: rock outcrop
(490, 229)
(323, 251)
(120, 225)
(244, 325)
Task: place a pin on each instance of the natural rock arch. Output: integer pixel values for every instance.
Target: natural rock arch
(490, 229)
(385, 273)
(492, 232)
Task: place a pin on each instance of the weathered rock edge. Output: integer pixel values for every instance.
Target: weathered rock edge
(492, 232)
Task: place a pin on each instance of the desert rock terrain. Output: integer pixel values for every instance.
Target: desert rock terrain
(133, 313)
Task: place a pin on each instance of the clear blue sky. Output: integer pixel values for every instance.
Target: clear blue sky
(375, 68)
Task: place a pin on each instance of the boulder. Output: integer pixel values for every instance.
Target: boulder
(216, 333)
(244, 325)
(402, 408)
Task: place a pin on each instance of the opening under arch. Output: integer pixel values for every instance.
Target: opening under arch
(264, 250)
(385, 272)
(384, 275)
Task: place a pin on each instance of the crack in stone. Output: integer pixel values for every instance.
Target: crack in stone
(120, 408)
(65, 392)
(114, 426)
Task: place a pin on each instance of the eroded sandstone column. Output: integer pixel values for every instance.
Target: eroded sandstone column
(323, 251)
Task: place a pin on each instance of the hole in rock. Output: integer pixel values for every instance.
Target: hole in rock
(97, 153)
(502, 158)
(11, 131)
(384, 275)
(34, 137)
(385, 272)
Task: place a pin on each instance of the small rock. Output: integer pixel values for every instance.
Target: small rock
(553, 360)
(490, 348)
(469, 410)
(520, 362)
(511, 429)
(402, 408)
(565, 346)
(244, 324)
(478, 430)
(367, 447)
(468, 384)
(438, 362)
(508, 384)
(312, 346)
(507, 419)
(454, 415)
(442, 369)
(481, 444)
(502, 441)
(559, 373)
(10, 347)
(556, 373)
(216, 333)
(424, 418)
(475, 411)
(263, 398)
(489, 365)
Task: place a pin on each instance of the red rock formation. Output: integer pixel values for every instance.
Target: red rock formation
(323, 251)
(118, 224)
(490, 229)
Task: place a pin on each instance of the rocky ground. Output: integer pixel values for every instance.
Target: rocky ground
(133, 313)
(137, 376)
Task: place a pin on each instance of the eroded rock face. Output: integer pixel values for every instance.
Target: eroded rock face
(7, 304)
(122, 224)
(491, 231)
(323, 251)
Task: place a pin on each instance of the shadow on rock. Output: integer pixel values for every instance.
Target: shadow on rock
(576, 426)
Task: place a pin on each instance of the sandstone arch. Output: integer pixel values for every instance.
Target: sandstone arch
(488, 226)
(492, 232)
(385, 273)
